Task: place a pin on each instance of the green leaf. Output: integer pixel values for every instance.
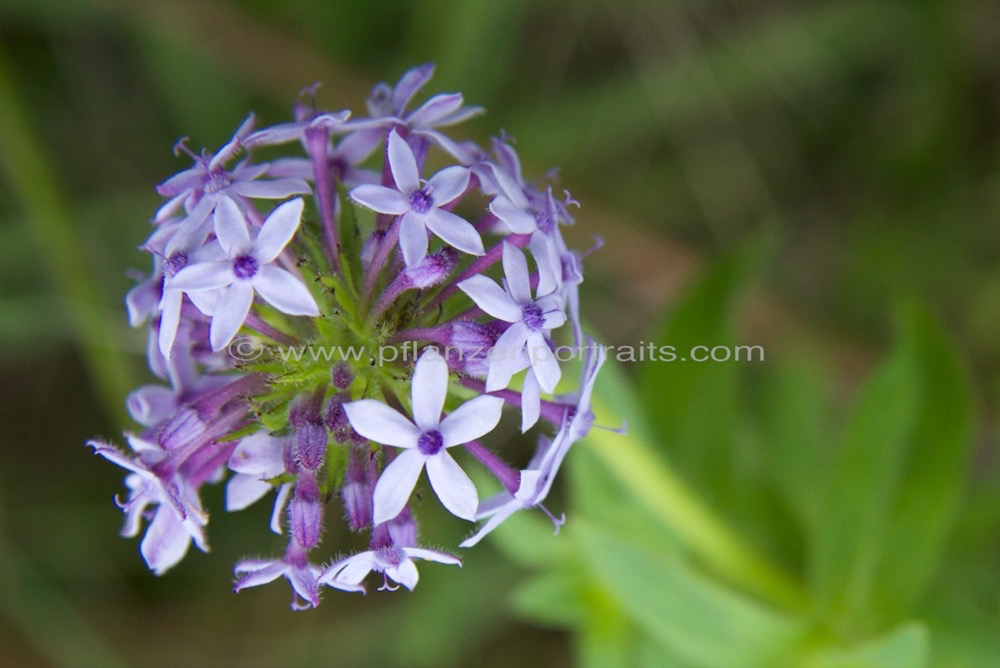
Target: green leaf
(693, 406)
(794, 409)
(857, 505)
(694, 617)
(905, 647)
(552, 599)
(934, 479)
(898, 480)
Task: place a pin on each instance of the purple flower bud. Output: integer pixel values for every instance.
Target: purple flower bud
(359, 483)
(341, 375)
(306, 512)
(468, 346)
(310, 445)
(182, 428)
(305, 409)
(433, 269)
(403, 529)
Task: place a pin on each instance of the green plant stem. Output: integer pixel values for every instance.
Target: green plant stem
(655, 485)
(31, 180)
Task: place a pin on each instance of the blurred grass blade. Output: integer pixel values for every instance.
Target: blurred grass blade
(905, 647)
(699, 620)
(32, 181)
(897, 483)
(857, 505)
(654, 485)
(933, 483)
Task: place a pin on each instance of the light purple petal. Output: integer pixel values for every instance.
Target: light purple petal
(491, 298)
(234, 145)
(504, 362)
(411, 81)
(466, 153)
(396, 483)
(259, 454)
(304, 583)
(552, 311)
(279, 507)
(151, 404)
(510, 344)
(531, 402)
(429, 389)
(231, 227)
(455, 230)
(381, 199)
(473, 419)
(403, 164)
(448, 184)
(278, 230)
(170, 318)
(412, 238)
(206, 301)
(544, 362)
(452, 486)
(203, 276)
(357, 146)
(299, 168)
(263, 574)
(243, 491)
(166, 541)
(350, 571)
(284, 292)
(405, 574)
(230, 314)
(458, 116)
(434, 109)
(377, 422)
(493, 522)
(432, 555)
(517, 220)
(515, 269)
(276, 189)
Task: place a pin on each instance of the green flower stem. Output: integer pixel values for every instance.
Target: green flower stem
(657, 486)
(31, 180)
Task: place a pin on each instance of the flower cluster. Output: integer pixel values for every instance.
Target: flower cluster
(396, 255)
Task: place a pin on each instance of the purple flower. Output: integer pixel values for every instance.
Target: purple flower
(387, 106)
(530, 320)
(255, 460)
(295, 566)
(248, 267)
(198, 190)
(536, 480)
(425, 440)
(178, 518)
(395, 563)
(420, 205)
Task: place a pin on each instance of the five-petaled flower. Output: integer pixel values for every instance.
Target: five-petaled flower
(248, 267)
(425, 440)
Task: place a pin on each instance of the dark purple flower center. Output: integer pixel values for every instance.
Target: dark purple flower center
(430, 442)
(421, 201)
(533, 317)
(390, 555)
(175, 263)
(245, 267)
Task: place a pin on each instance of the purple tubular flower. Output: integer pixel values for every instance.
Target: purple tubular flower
(425, 440)
(327, 325)
(248, 268)
(419, 206)
(536, 480)
(530, 320)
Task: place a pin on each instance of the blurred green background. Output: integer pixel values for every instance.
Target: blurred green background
(820, 178)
